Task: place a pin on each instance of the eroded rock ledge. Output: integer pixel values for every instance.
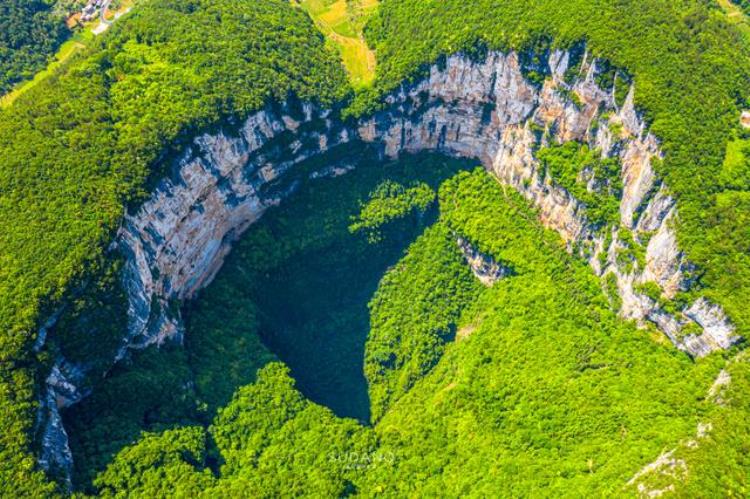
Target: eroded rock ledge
(483, 266)
(176, 242)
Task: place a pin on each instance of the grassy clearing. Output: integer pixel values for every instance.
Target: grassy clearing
(77, 42)
(341, 21)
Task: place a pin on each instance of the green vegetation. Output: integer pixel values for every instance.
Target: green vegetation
(551, 406)
(574, 167)
(544, 389)
(342, 21)
(650, 289)
(388, 202)
(311, 278)
(612, 291)
(30, 32)
(413, 315)
(735, 173)
(630, 252)
(690, 67)
(82, 36)
(151, 392)
(272, 442)
(722, 463)
(542, 380)
(78, 41)
(301, 281)
(742, 4)
(737, 15)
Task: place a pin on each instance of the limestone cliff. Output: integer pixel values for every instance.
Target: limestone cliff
(224, 181)
(490, 111)
(176, 242)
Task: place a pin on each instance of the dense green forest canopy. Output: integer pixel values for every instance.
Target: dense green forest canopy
(83, 144)
(30, 32)
(743, 4)
(295, 288)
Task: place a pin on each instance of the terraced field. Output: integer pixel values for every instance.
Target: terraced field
(342, 22)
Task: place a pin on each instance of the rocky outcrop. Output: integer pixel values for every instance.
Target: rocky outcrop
(55, 457)
(672, 467)
(483, 266)
(64, 387)
(177, 241)
(225, 180)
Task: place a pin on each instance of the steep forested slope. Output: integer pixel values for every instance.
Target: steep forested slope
(531, 384)
(690, 68)
(77, 147)
(300, 279)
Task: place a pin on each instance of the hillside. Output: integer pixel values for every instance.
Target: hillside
(86, 139)
(399, 248)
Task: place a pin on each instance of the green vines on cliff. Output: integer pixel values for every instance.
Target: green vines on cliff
(573, 167)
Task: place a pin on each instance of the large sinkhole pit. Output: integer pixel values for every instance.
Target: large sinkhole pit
(295, 288)
(336, 313)
(320, 306)
(305, 274)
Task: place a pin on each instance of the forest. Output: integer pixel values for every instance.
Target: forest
(457, 374)
(398, 373)
(676, 52)
(743, 4)
(30, 32)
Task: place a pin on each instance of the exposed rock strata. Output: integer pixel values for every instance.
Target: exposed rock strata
(488, 110)
(483, 266)
(56, 456)
(176, 242)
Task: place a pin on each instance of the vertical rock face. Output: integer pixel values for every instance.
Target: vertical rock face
(56, 457)
(490, 111)
(177, 241)
(717, 331)
(223, 182)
